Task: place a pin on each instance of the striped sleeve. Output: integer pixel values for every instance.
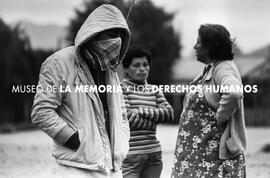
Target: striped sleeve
(164, 109)
(124, 90)
(134, 120)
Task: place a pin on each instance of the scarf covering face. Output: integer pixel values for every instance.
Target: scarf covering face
(107, 53)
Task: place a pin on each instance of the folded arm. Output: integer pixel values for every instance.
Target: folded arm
(230, 100)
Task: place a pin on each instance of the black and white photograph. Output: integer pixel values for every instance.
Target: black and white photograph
(135, 89)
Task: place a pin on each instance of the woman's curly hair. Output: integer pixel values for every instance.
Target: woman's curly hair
(216, 39)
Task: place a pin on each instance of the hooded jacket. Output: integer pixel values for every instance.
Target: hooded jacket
(70, 108)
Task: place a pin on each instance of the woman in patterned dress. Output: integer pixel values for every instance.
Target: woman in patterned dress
(211, 140)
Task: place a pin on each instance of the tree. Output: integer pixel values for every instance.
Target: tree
(19, 66)
(15, 70)
(151, 27)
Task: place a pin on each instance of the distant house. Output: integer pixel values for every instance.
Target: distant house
(187, 69)
(260, 73)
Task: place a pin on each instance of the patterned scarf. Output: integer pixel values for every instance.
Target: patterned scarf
(106, 52)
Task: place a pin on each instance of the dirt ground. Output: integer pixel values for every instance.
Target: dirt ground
(27, 154)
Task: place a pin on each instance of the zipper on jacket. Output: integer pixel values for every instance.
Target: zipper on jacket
(111, 141)
(103, 99)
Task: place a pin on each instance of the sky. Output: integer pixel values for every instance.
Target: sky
(245, 19)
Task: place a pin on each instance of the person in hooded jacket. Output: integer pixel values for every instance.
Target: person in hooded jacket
(90, 129)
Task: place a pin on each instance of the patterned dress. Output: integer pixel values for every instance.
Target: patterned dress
(197, 146)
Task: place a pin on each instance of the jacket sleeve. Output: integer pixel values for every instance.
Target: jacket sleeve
(46, 103)
(226, 76)
(125, 119)
(164, 111)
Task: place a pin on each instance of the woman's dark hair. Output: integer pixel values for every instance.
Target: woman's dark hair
(136, 52)
(216, 39)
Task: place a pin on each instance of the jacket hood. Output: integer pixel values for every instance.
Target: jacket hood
(103, 18)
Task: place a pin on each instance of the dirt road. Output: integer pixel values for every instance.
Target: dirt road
(27, 154)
